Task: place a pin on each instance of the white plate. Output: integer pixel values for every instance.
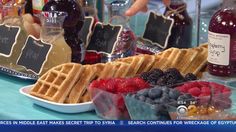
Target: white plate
(63, 108)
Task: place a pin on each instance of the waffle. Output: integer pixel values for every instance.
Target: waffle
(56, 84)
(122, 70)
(185, 60)
(148, 62)
(135, 63)
(161, 59)
(81, 85)
(198, 63)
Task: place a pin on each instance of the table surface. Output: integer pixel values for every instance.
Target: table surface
(15, 106)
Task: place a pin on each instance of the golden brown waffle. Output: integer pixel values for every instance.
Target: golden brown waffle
(56, 84)
(198, 63)
(148, 62)
(121, 70)
(161, 59)
(135, 63)
(185, 60)
(81, 85)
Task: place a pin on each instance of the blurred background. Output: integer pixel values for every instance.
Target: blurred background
(208, 8)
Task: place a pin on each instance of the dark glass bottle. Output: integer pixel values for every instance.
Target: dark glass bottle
(222, 41)
(28, 7)
(72, 24)
(181, 33)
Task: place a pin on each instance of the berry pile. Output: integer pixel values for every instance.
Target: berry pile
(157, 98)
(208, 93)
(120, 85)
(107, 96)
(202, 88)
(168, 78)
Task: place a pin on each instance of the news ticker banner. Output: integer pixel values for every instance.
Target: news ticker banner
(116, 123)
(115, 126)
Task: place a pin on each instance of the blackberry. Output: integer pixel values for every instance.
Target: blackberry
(172, 70)
(145, 75)
(157, 72)
(190, 77)
(162, 81)
(173, 73)
(152, 79)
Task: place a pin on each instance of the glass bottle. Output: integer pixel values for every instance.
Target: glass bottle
(126, 44)
(12, 17)
(222, 40)
(53, 33)
(72, 24)
(181, 33)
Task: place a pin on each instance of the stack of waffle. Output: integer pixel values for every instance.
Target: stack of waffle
(67, 83)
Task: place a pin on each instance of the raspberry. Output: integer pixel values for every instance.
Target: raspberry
(127, 86)
(182, 89)
(195, 91)
(102, 83)
(203, 84)
(226, 91)
(203, 95)
(206, 91)
(110, 86)
(192, 84)
(141, 84)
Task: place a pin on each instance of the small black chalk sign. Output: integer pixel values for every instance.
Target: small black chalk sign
(86, 31)
(104, 38)
(158, 30)
(8, 38)
(34, 54)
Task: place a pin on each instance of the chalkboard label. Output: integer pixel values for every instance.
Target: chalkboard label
(104, 38)
(86, 31)
(8, 38)
(158, 29)
(34, 54)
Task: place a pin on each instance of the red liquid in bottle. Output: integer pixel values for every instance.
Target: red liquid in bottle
(222, 42)
(125, 47)
(181, 33)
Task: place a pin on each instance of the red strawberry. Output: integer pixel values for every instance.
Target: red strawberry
(195, 91)
(206, 91)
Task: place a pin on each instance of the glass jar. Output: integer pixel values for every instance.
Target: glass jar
(12, 18)
(181, 33)
(222, 41)
(53, 33)
(72, 24)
